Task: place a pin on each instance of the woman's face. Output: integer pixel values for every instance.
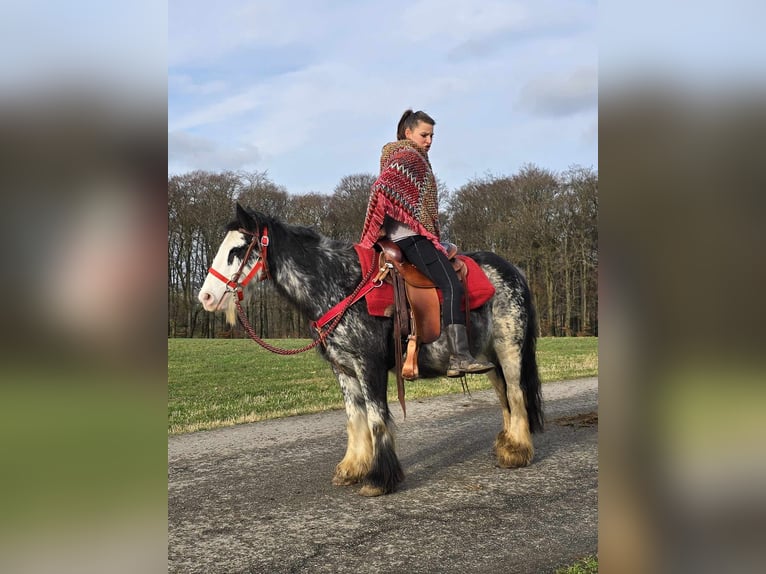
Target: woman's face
(423, 135)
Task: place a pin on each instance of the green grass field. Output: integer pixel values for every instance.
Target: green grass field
(587, 565)
(221, 382)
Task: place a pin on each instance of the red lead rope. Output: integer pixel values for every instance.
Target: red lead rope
(341, 307)
(335, 314)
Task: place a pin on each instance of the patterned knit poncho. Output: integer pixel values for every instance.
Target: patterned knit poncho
(405, 191)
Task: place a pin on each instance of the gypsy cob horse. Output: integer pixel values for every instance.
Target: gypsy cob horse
(314, 273)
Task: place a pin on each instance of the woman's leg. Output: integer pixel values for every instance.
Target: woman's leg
(434, 264)
(423, 254)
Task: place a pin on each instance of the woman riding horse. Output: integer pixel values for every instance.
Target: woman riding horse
(403, 205)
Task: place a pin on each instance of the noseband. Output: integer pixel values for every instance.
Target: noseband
(233, 283)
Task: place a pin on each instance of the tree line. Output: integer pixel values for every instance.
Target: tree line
(546, 223)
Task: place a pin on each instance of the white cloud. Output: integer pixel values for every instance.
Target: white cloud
(316, 87)
(218, 111)
(559, 95)
(202, 32)
(190, 152)
(457, 20)
(186, 84)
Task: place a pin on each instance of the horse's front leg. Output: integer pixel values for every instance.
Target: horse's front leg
(385, 470)
(356, 463)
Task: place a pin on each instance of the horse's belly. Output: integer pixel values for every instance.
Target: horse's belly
(433, 359)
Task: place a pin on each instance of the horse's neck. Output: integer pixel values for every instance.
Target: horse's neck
(312, 277)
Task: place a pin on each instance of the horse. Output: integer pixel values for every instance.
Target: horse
(314, 272)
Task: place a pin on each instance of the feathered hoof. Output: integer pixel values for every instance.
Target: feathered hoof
(341, 480)
(348, 473)
(369, 491)
(346, 476)
(510, 454)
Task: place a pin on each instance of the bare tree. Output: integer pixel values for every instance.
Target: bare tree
(258, 192)
(310, 210)
(545, 223)
(581, 189)
(348, 207)
(183, 234)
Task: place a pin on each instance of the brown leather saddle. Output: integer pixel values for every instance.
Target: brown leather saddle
(416, 310)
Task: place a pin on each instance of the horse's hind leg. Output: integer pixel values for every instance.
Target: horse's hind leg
(513, 445)
(356, 463)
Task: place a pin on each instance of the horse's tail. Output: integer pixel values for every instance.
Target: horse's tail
(530, 378)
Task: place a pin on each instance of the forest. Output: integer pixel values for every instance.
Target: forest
(546, 223)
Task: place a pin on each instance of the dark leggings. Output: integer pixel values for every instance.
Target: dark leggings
(434, 264)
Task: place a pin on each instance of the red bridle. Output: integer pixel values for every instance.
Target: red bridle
(233, 283)
(329, 319)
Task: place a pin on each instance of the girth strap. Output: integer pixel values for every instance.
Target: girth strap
(401, 329)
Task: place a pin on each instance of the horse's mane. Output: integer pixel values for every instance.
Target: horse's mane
(232, 226)
(304, 234)
(308, 237)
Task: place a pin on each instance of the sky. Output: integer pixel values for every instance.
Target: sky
(310, 90)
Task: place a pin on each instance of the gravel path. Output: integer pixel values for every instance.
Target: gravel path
(258, 497)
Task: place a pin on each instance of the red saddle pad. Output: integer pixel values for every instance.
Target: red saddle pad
(479, 288)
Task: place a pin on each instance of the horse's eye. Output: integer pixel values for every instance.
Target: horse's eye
(238, 252)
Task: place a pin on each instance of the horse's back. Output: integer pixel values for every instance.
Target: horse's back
(511, 313)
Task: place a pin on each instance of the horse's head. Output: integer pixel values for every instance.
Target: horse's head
(240, 258)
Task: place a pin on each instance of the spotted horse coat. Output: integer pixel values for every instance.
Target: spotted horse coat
(314, 272)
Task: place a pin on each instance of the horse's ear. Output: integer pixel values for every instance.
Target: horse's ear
(245, 219)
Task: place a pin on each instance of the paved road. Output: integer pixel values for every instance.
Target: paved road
(258, 497)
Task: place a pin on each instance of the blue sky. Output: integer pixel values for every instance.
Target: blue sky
(309, 90)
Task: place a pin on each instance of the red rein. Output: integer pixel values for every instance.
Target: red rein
(333, 316)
